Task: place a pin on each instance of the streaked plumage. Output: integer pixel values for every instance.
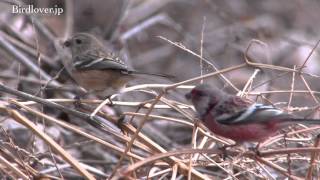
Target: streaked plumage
(96, 68)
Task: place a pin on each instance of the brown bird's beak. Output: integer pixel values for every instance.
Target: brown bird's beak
(67, 43)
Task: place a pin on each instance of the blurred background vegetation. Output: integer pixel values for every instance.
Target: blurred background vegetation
(219, 30)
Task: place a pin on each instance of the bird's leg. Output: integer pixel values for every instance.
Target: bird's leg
(255, 149)
(140, 106)
(77, 103)
(224, 149)
(197, 122)
(229, 145)
(80, 94)
(120, 122)
(110, 100)
(121, 119)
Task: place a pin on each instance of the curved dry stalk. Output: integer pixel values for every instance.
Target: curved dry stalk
(201, 58)
(66, 156)
(13, 168)
(270, 66)
(77, 130)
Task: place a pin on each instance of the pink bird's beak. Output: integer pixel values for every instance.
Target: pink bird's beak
(188, 95)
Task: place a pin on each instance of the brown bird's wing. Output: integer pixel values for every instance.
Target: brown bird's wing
(94, 62)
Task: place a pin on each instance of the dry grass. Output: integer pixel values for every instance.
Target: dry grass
(44, 134)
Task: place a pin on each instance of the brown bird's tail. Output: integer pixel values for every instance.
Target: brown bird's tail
(152, 74)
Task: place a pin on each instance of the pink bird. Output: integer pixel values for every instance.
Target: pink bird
(238, 118)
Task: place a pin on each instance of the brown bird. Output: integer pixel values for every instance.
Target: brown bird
(96, 68)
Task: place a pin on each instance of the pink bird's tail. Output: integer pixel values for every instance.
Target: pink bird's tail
(305, 121)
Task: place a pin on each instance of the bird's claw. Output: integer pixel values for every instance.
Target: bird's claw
(120, 123)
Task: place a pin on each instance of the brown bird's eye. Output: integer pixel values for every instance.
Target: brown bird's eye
(78, 41)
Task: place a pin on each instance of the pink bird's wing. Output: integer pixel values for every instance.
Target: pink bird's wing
(237, 110)
(231, 106)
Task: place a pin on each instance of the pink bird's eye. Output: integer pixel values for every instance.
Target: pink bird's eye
(197, 93)
(78, 41)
